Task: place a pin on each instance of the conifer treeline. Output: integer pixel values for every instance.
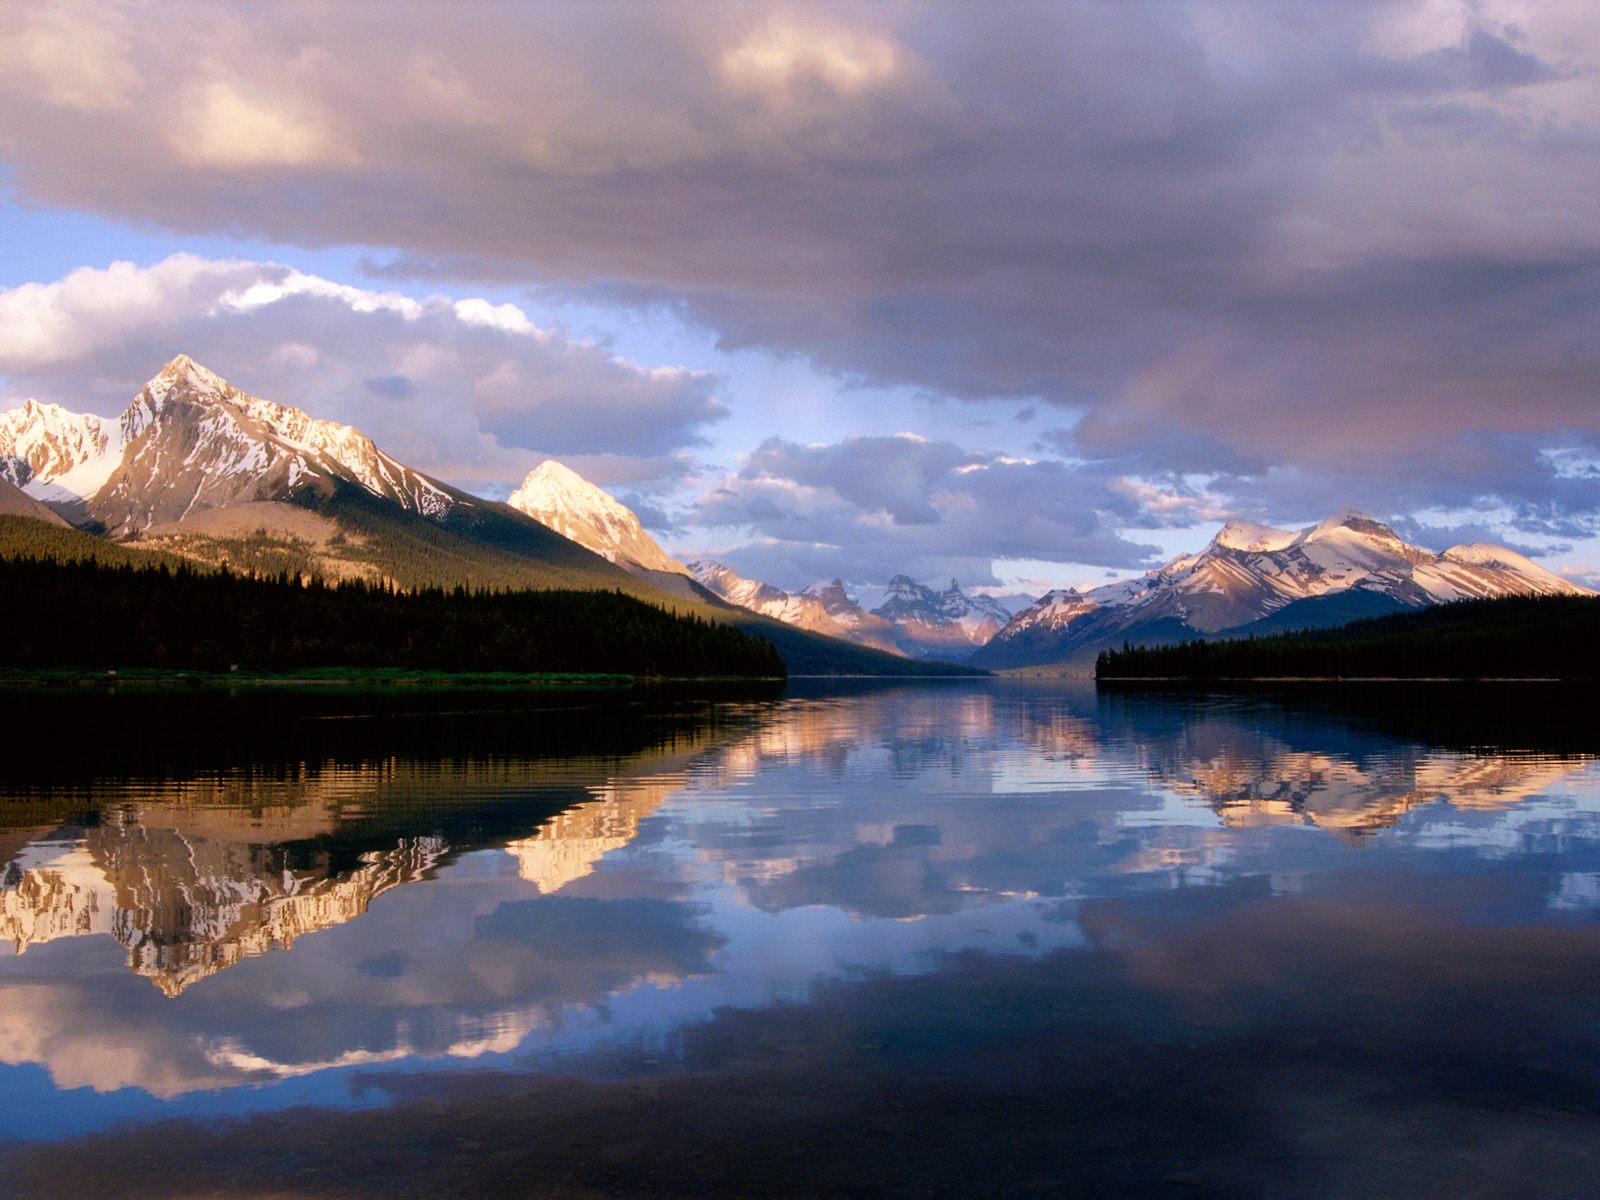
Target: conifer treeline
(1555, 637)
(92, 615)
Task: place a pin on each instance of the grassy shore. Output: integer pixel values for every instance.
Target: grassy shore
(318, 677)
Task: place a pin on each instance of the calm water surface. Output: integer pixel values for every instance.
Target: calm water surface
(978, 939)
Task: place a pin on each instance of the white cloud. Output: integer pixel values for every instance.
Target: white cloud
(463, 388)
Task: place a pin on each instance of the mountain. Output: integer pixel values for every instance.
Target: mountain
(822, 608)
(857, 623)
(197, 468)
(200, 468)
(56, 455)
(562, 500)
(565, 501)
(947, 624)
(191, 441)
(14, 502)
(1256, 579)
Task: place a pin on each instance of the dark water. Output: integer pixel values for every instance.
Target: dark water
(967, 939)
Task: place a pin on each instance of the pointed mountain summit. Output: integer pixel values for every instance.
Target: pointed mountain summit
(947, 624)
(558, 497)
(1255, 579)
(820, 608)
(832, 596)
(191, 442)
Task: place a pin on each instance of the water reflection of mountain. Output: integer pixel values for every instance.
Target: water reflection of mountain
(1353, 764)
(187, 907)
(567, 847)
(194, 874)
(962, 798)
(873, 826)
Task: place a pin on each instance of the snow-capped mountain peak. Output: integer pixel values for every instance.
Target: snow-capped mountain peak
(558, 497)
(939, 623)
(821, 608)
(182, 378)
(1251, 538)
(45, 444)
(1349, 564)
(191, 441)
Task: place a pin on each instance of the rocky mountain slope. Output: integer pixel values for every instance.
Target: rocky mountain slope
(822, 608)
(191, 441)
(14, 502)
(1347, 566)
(947, 624)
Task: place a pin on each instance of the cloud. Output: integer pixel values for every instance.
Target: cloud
(1230, 237)
(72, 55)
(226, 128)
(867, 508)
(784, 56)
(461, 388)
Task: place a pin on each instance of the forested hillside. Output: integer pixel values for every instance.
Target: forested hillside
(1555, 637)
(86, 614)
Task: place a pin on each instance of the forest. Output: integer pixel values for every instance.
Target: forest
(96, 615)
(1517, 637)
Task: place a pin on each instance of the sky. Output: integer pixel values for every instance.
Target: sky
(1026, 295)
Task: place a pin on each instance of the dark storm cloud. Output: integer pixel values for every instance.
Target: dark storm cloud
(1227, 233)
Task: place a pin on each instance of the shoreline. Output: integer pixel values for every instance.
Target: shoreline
(1201, 679)
(332, 677)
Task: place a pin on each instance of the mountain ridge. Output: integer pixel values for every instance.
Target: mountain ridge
(930, 624)
(1247, 573)
(190, 443)
(822, 608)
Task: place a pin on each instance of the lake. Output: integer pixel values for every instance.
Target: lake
(975, 938)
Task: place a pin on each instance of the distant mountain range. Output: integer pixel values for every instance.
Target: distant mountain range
(1252, 579)
(196, 467)
(913, 620)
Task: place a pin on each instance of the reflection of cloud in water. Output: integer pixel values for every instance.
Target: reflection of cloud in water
(1218, 1042)
(810, 837)
(478, 983)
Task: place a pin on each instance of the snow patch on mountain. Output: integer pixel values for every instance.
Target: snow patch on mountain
(1252, 538)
